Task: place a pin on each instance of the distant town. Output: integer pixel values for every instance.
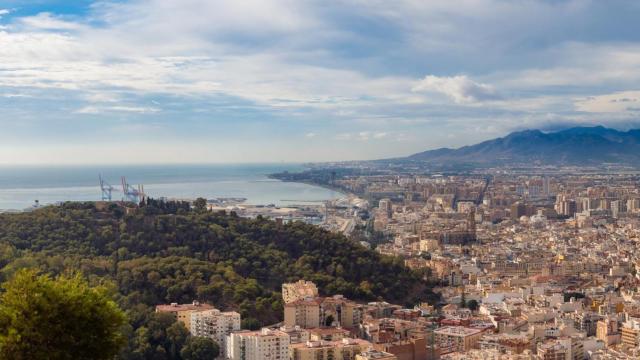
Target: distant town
(527, 262)
(540, 266)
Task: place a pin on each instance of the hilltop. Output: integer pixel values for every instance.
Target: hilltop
(574, 146)
(167, 252)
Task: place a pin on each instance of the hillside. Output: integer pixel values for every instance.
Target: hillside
(574, 146)
(165, 252)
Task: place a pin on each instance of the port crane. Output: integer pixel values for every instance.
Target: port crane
(132, 193)
(106, 189)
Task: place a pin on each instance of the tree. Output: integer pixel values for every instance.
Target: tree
(200, 348)
(329, 320)
(62, 318)
(575, 295)
(177, 334)
(200, 204)
(250, 324)
(174, 253)
(473, 305)
(463, 299)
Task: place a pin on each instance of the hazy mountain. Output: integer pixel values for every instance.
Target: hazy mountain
(574, 146)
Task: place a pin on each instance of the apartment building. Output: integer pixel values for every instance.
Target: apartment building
(457, 338)
(182, 312)
(345, 349)
(215, 324)
(375, 355)
(631, 333)
(304, 313)
(258, 345)
(298, 290)
(316, 312)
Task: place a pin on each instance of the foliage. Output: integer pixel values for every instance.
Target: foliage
(160, 336)
(250, 324)
(575, 295)
(165, 252)
(61, 318)
(329, 320)
(200, 348)
(200, 204)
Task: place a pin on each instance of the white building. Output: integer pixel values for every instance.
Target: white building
(265, 344)
(215, 325)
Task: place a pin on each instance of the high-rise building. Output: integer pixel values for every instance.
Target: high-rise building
(607, 331)
(215, 325)
(586, 322)
(386, 207)
(518, 210)
(342, 311)
(304, 313)
(546, 186)
(258, 345)
(565, 206)
(631, 333)
(617, 207)
(315, 312)
(466, 206)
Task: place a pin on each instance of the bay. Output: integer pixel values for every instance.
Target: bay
(20, 186)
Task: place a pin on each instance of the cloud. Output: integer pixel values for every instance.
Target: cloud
(122, 109)
(314, 67)
(380, 135)
(344, 136)
(459, 88)
(15, 95)
(619, 102)
(310, 135)
(47, 21)
(4, 12)
(362, 136)
(577, 65)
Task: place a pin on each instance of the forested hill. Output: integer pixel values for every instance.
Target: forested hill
(164, 253)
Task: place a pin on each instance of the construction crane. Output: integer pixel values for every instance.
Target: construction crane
(106, 189)
(132, 193)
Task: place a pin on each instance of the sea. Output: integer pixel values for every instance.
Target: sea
(22, 186)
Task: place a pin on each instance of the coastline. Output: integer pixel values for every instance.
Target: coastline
(20, 188)
(311, 183)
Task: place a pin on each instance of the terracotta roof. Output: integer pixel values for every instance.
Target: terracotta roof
(183, 307)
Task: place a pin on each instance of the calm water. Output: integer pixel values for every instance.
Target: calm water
(21, 186)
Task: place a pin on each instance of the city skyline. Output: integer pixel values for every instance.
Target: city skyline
(150, 81)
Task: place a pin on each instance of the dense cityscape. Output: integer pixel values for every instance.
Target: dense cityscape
(526, 267)
(319, 180)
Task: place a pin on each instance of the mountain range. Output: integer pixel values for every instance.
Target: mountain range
(574, 146)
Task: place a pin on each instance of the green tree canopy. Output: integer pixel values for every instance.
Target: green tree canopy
(62, 318)
(250, 324)
(200, 204)
(200, 348)
(167, 251)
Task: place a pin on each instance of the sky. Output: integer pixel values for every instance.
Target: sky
(208, 81)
